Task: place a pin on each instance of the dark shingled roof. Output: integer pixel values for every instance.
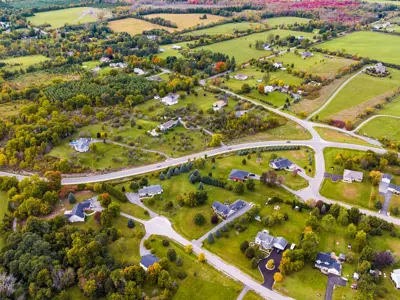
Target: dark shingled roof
(78, 209)
(148, 260)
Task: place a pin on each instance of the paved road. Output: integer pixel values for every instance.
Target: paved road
(135, 199)
(162, 226)
(334, 95)
(242, 211)
(243, 293)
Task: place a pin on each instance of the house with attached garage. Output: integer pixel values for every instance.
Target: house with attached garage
(350, 176)
(176, 47)
(77, 214)
(395, 276)
(150, 191)
(169, 124)
(224, 210)
(278, 65)
(241, 77)
(282, 164)
(328, 263)
(81, 145)
(220, 104)
(239, 175)
(386, 186)
(148, 260)
(267, 241)
(306, 54)
(170, 99)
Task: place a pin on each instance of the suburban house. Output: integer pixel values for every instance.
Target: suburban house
(300, 38)
(148, 260)
(238, 175)
(150, 191)
(281, 164)
(105, 59)
(379, 68)
(306, 54)
(176, 47)
(77, 214)
(81, 145)
(170, 99)
(162, 50)
(220, 104)
(240, 113)
(382, 26)
(395, 275)
(267, 241)
(169, 124)
(350, 176)
(119, 65)
(155, 78)
(328, 263)
(139, 71)
(267, 47)
(278, 65)
(224, 210)
(241, 77)
(385, 185)
(270, 88)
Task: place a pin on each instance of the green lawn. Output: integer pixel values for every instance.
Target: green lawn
(318, 64)
(126, 248)
(229, 28)
(360, 90)
(382, 127)
(134, 210)
(171, 52)
(22, 62)
(340, 137)
(374, 45)
(58, 18)
(106, 156)
(202, 281)
(392, 108)
(3, 210)
(239, 47)
(285, 21)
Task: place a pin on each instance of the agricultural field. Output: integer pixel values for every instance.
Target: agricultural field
(239, 47)
(340, 137)
(391, 108)
(318, 64)
(362, 92)
(272, 22)
(39, 78)
(105, 157)
(75, 15)
(135, 26)
(202, 282)
(382, 127)
(374, 45)
(229, 28)
(22, 62)
(185, 21)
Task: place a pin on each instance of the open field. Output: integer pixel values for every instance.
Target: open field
(374, 45)
(75, 15)
(392, 108)
(39, 78)
(318, 64)
(239, 48)
(202, 281)
(340, 137)
(229, 28)
(185, 21)
(135, 26)
(168, 51)
(22, 62)
(285, 21)
(12, 108)
(382, 127)
(362, 92)
(106, 156)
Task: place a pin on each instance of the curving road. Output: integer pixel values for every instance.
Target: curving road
(370, 119)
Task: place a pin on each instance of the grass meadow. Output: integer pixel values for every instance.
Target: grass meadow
(229, 28)
(379, 46)
(135, 26)
(382, 127)
(22, 62)
(340, 137)
(271, 22)
(185, 21)
(392, 108)
(3, 210)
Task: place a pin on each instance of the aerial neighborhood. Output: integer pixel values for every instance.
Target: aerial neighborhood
(195, 149)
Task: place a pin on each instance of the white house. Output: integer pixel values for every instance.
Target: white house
(306, 54)
(278, 65)
(77, 214)
(139, 71)
(269, 89)
(81, 145)
(241, 77)
(395, 275)
(219, 105)
(267, 241)
(176, 47)
(350, 176)
(169, 124)
(150, 191)
(170, 99)
(118, 65)
(282, 164)
(105, 59)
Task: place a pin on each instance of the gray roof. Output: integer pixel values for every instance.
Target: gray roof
(237, 204)
(239, 174)
(169, 124)
(152, 189)
(220, 208)
(280, 243)
(395, 187)
(353, 174)
(281, 163)
(387, 176)
(240, 113)
(78, 209)
(149, 260)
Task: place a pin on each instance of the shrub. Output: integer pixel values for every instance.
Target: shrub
(254, 263)
(250, 252)
(182, 275)
(165, 243)
(199, 219)
(179, 261)
(210, 238)
(171, 254)
(218, 234)
(271, 264)
(244, 246)
(214, 219)
(131, 223)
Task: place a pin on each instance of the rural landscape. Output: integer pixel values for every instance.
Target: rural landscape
(195, 149)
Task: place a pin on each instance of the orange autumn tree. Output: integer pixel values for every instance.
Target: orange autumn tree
(220, 66)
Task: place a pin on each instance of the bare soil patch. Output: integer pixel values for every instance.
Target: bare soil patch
(350, 191)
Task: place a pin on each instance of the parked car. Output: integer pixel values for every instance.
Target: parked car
(354, 286)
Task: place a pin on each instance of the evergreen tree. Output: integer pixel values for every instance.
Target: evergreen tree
(71, 198)
(131, 223)
(210, 238)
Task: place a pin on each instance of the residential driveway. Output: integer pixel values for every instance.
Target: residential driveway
(385, 205)
(332, 281)
(269, 274)
(135, 199)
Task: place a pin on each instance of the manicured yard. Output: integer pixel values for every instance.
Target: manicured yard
(318, 64)
(75, 15)
(239, 47)
(374, 45)
(106, 156)
(359, 94)
(392, 108)
(229, 28)
(134, 26)
(168, 51)
(382, 127)
(285, 21)
(340, 137)
(202, 281)
(185, 21)
(250, 295)
(126, 248)
(22, 62)
(134, 210)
